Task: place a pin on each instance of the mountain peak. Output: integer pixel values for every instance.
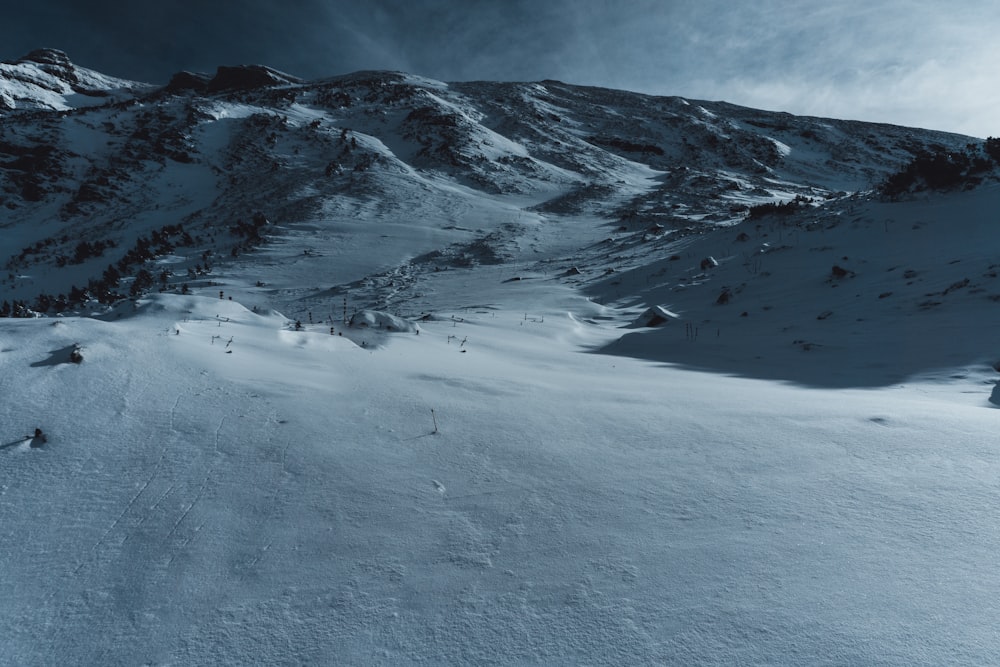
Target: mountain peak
(53, 62)
(230, 77)
(47, 79)
(47, 57)
(185, 80)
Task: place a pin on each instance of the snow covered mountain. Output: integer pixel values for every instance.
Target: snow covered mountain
(193, 162)
(46, 79)
(378, 369)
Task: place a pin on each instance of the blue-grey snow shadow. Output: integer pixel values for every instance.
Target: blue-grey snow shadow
(843, 360)
(15, 443)
(61, 356)
(995, 396)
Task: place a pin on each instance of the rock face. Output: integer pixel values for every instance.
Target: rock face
(51, 57)
(247, 77)
(183, 81)
(229, 78)
(54, 62)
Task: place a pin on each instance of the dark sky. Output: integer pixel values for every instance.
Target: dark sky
(912, 62)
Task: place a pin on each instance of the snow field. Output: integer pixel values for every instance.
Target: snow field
(284, 499)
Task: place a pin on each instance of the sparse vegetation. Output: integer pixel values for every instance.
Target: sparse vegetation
(778, 208)
(105, 288)
(941, 169)
(626, 146)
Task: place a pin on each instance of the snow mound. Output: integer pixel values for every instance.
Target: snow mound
(191, 308)
(654, 316)
(373, 319)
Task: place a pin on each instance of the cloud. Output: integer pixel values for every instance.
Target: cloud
(914, 64)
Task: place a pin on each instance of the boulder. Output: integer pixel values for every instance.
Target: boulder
(654, 316)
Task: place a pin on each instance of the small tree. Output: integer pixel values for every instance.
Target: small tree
(143, 281)
(992, 148)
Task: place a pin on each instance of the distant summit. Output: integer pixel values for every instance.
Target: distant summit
(48, 79)
(230, 77)
(53, 57)
(52, 61)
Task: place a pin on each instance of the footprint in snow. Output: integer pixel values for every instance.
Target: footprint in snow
(439, 486)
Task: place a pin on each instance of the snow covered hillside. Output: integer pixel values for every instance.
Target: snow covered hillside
(382, 370)
(176, 185)
(46, 79)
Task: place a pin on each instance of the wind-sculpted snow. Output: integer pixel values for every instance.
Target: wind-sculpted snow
(219, 486)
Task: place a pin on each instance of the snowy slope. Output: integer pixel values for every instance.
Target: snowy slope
(46, 79)
(455, 164)
(219, 488)
(864, 294)
(373, 382)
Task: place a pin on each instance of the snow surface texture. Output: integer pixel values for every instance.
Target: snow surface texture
(423, 418)
(218, 488)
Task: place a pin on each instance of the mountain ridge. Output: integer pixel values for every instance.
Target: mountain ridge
(378, 181)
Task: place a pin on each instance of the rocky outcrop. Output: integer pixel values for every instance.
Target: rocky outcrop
(184, 81)
(247, 77)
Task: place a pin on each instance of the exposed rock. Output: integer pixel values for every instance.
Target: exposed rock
(182, 81)
(53, 61)
(53, 57)
(247, 77)
(840, 272)
(653, 317)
